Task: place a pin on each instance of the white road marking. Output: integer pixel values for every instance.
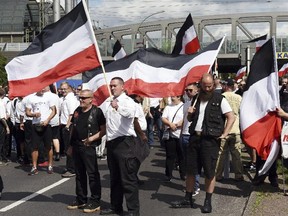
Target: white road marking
(33, 195)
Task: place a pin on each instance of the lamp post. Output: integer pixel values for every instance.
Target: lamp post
(134, 36)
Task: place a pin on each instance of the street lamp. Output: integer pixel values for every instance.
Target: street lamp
(135, 35)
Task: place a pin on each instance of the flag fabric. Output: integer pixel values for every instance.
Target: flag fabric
(240, 73)
(152, 73)
(62, 49)
(259, 41)
(259, 122)
(118, 51)
(284, 70)
(187, 41)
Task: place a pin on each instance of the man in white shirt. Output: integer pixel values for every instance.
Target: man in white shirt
(208, 126)
(42, 110)
(68, 106)
(4, 130)
(55, 122)
(122, 161)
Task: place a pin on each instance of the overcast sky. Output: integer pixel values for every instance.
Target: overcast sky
(110, 13)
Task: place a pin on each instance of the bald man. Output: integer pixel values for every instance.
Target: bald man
(211, 120)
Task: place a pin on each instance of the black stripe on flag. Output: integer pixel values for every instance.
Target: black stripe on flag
(149, 56)
(262, 64)
(263, 37)
(57, 31)
(178, 43)
(117, 47)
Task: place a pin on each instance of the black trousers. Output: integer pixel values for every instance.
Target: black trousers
(65, 138)
(123, 166)
(86, 165)
(28, 141)
(173, 151)
(1, 184)
(2, 142)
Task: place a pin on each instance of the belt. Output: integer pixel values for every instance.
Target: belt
(198, 133)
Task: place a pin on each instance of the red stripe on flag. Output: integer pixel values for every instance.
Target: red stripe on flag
(192, 47)
(261, 134)
(86, 60)
(155, 89)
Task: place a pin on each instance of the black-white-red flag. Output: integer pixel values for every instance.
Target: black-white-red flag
(187, 41)
(62, 49)
(118, 51)
(260, 125)
(152, 73)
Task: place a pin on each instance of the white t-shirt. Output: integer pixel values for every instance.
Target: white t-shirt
(55, 121)
(141, 117)
(119, 122)
(186, 123)
(225, 108)
(68, 106)
(16, 110)
(2, 110)
(169, 112)
(40, 104)
(24, 103)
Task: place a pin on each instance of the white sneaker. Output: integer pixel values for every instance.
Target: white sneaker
(196, 192)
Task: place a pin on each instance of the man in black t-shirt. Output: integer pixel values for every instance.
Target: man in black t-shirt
(88, 128)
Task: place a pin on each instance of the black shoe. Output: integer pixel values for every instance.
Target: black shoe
(57, 157)
(207, 208)
(110, 212)
(91, 207)
(76, 205)
(274, 183)
(184, 203)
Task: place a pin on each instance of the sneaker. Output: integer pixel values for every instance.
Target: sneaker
(50, 170)
(33, 171)
(76, 205)
(91, 207)
(44, 164)
(252, 167)
(68, 174)
(196, 192)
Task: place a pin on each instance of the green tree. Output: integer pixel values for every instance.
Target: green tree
(3, 75)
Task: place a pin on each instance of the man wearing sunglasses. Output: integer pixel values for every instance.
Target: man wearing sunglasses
(88, 127)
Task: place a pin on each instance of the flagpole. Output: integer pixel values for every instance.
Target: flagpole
(96, 46)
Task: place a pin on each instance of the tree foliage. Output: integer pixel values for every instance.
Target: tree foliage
(3, 75)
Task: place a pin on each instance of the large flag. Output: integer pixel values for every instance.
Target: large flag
(187, 41)
(152, 73)
(62, 49)
(259, 41)
(240, 73)
(260, 125)
(118, 51)
(284, 70)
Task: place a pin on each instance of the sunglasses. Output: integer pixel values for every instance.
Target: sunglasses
(83, 98)
(190, 90)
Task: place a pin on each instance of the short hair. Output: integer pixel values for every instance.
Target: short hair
(119, 79)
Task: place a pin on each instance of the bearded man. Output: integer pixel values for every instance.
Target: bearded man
(212, 119)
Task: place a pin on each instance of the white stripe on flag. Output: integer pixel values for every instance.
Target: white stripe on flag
(49, 58)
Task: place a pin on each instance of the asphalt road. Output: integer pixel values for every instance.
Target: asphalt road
(49, 195)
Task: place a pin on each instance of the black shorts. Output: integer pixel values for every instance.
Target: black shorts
(203, 152)
(56, 132)
(44, 137)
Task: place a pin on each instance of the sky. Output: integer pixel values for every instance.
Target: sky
(111, 13)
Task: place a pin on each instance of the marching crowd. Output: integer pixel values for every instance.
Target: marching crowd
(199, 130)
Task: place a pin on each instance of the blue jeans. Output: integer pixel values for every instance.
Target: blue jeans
(184, 144)
(150, 131)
